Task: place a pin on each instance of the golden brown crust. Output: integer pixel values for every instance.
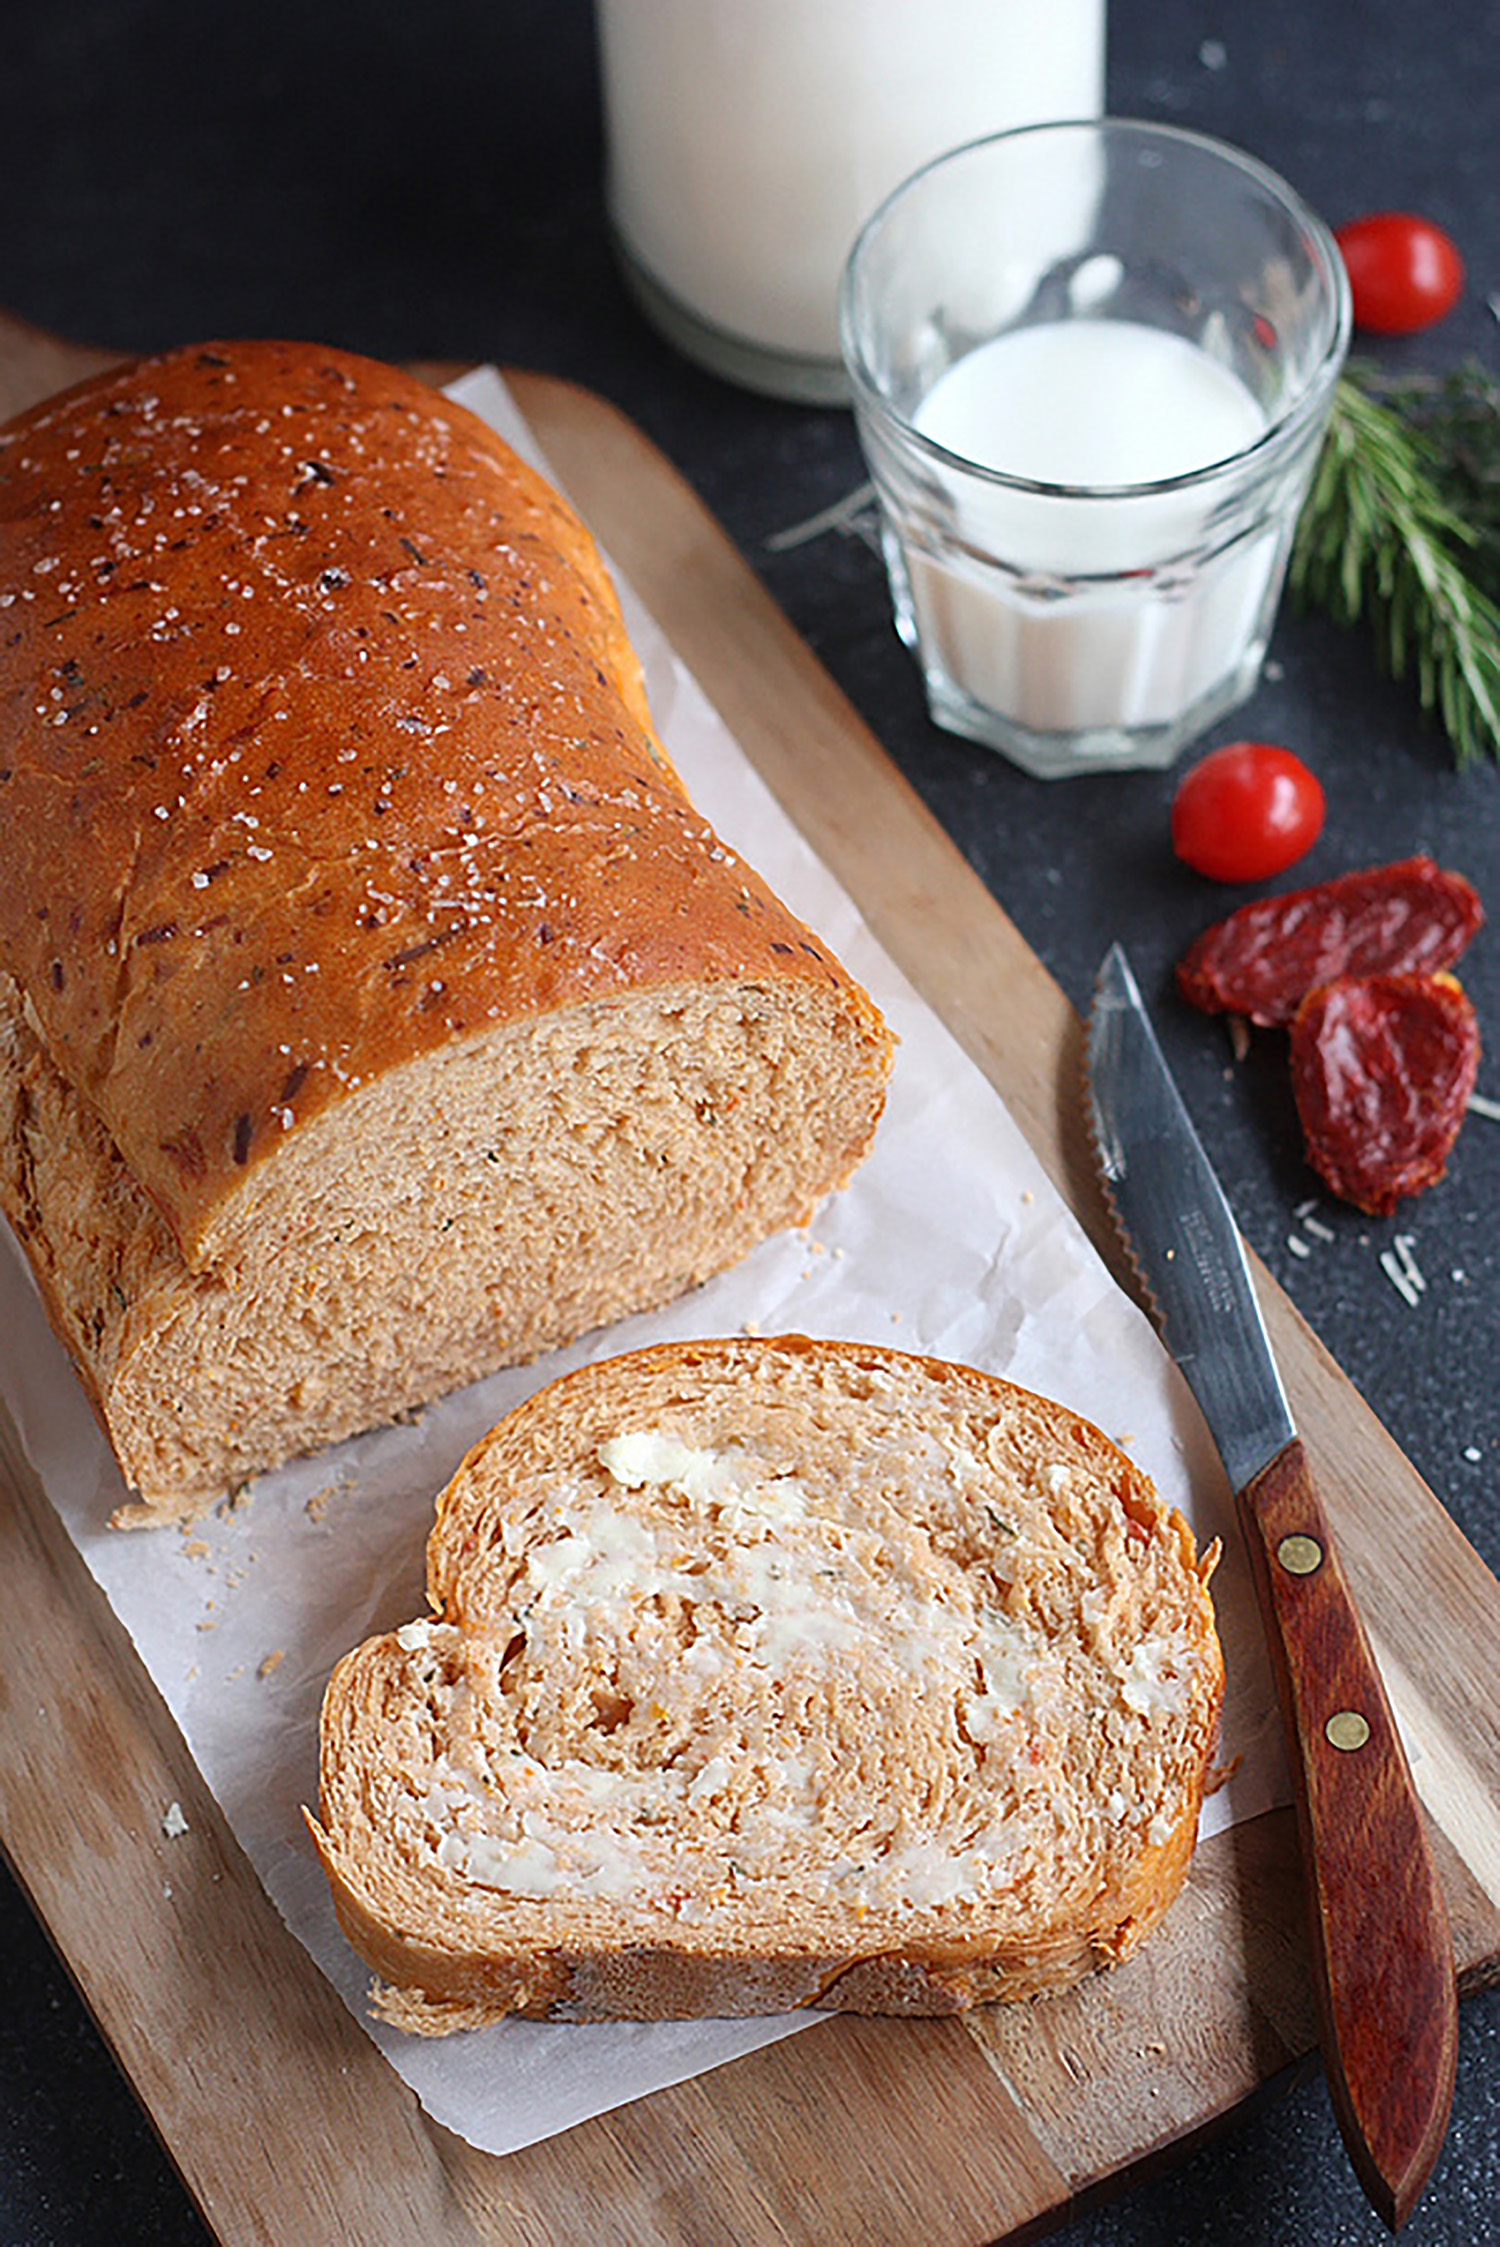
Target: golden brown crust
(324, 747)
(982, 1500)
(375, 1008)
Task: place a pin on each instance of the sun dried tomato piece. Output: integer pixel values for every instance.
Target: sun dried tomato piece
(1408, 919)
(1382, 1070)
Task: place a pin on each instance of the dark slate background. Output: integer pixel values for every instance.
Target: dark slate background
(424, 181)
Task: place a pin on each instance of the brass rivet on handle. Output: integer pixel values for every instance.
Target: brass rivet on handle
(1299, 1556)
(1348, 1729)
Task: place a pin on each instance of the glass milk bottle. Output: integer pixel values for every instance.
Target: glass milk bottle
(748, 141)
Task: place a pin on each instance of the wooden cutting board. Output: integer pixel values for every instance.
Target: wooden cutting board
(281, 2116)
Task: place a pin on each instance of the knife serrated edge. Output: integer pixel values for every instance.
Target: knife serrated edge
(1239, 1388)
(1106, 1156)
(1104, 1140)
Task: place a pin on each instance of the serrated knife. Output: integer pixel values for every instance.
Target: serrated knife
(1381, 1944)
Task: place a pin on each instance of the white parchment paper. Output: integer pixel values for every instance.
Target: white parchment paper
(951, 1240)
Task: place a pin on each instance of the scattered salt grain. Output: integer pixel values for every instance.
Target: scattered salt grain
(174, 1823)
(846, 514)
(1405, 1244)
(1402, 1270)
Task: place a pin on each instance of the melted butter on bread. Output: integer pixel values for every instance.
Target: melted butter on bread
(767, 1673)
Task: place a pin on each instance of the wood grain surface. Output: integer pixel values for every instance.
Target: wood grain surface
(283, 2119)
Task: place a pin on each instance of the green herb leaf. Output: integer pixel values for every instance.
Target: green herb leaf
(1394, 535)
(1457, 417)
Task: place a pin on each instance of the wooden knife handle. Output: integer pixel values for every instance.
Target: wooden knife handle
(1381, 1940)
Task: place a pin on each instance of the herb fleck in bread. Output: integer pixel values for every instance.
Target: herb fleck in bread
(773, 1673)
(375, 1008)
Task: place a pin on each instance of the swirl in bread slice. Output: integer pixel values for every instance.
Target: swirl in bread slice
(770, 1673)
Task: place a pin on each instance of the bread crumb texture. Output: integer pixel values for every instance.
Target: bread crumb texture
(375, 1007)
(770, 1673)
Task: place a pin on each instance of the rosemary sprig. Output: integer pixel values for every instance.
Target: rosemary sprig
(1457, 415)
(1382, 540)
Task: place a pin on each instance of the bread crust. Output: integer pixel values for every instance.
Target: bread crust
(397, 811)
(324, 754)
(1101, 1580)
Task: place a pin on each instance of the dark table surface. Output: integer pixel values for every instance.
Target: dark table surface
(425, 181)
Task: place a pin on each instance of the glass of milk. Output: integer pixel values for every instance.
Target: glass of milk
(748, 140)
(1091, 364)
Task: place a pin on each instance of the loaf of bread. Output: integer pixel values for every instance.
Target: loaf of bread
(773, 1673)
(375, 1007)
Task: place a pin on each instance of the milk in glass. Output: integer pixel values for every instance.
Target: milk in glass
(1106, 599)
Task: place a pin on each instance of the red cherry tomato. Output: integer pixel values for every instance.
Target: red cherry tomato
(1245, 812)
(1404, 272)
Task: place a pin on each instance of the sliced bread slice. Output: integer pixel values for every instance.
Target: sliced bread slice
(774, 1673)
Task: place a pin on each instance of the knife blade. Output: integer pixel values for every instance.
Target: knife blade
(1378, 1924)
